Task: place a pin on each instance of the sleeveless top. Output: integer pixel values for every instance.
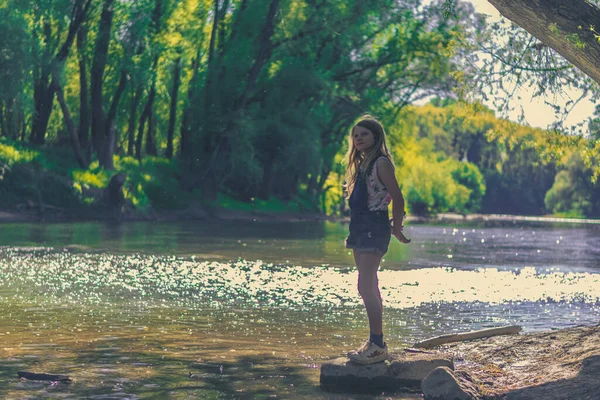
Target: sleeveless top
(379, 198)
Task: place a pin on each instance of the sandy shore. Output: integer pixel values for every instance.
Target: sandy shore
(553, 365)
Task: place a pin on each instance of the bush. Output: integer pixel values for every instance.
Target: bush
(573, 194)
(469, 176)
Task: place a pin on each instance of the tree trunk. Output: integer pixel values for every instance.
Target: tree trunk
(3, 130)
(265, 187)
(173, 108)
(112, 112)
(210, 65)
(140, 136)
(150, 142)
(235, 29)
(81, 159)
(264, 53)
(222, 30)
(99, 127)
(23, 128)
(107, 151)
(43, 97)
(186, 120)
(146, 117)
(557, 24)
(43, 94)
(11, 120)
(109, 148)
(20, 121)
(132, 119)
(184, 142)
(84, 107)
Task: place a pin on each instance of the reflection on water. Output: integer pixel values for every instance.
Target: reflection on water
(570, 248)
(251, 310)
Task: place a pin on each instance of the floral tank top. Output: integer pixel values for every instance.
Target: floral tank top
(379, 198)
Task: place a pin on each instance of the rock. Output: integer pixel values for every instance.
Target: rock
(442, 384)
(401, 371)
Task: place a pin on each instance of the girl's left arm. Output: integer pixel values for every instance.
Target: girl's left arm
(388, 178)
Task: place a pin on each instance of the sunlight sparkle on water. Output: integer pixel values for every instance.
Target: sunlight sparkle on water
(141, 278)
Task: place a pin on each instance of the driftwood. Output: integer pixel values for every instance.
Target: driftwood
(44, 377)
(460, 337)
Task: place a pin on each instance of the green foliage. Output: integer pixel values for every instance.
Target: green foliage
(272, 107)
(28, 185)
(573, 193)
(14, 58)
(94, 177)
(430, 186)
(12, 153)
(154, 183)
(268, 96)
(469, 176)
(515, 171)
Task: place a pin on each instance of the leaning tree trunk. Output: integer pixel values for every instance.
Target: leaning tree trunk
(81, 159)
(557, 24)
(43, 93)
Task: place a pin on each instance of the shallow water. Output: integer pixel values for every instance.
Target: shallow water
(252, 309)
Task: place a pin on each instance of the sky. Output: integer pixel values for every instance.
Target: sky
(537, 113)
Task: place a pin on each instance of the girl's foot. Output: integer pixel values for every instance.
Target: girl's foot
(369, 353)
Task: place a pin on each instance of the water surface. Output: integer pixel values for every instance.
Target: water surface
(252, 309)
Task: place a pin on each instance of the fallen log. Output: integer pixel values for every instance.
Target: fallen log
(44, 377)
(461, 337)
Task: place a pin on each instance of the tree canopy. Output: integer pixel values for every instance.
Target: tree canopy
(252, 100)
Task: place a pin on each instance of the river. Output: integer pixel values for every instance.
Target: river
(252, 309)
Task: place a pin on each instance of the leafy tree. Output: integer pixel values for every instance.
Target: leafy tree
(54, 26)
(568, 29)
(504, 165)
(371, 56)
(573, 192)
(552, 46)
(468, 175)
(14, 59)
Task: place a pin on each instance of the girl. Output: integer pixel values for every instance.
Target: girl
(371, 186)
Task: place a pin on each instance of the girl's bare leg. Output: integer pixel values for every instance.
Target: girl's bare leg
(368, 287)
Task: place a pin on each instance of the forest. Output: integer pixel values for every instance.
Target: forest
(248, 105)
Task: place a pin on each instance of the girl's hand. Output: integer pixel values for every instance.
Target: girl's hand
(397, 232)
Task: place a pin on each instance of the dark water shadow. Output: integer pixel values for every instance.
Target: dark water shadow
(584, 386)
(118, 372)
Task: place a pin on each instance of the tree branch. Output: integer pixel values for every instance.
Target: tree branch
(564, 26)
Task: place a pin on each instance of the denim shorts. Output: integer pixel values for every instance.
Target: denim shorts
(369, 231)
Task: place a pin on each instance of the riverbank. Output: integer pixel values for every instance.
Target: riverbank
(200, 212)
(552, 365)
(194, 213)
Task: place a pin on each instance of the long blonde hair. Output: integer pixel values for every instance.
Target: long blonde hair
(359, 162)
